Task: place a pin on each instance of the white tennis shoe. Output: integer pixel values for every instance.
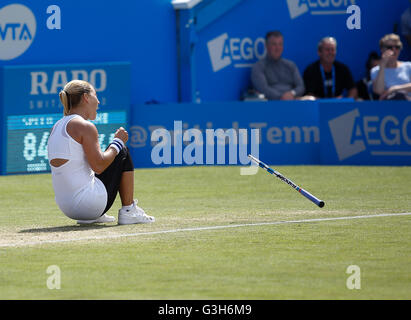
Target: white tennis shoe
(134, 215)
(103, 219)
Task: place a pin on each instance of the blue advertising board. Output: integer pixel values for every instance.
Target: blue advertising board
(30, 105)
(289, 133)
(366, 133)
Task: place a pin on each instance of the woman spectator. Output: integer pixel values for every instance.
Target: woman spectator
(391, 78)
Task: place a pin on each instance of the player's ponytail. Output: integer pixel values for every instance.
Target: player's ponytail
(65, 102)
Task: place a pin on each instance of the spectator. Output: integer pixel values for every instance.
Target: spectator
(364, 86)
(328, 78)
(391, 78)
(277, 78)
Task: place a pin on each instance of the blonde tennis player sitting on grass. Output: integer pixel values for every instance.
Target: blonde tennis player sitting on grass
(86, 180)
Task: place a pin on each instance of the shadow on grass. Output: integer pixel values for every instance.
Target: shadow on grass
(67, 228)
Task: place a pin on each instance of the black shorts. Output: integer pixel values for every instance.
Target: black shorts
(111, 177)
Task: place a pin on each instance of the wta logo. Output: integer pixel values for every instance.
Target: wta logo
(318, 7)
(241, 52)
(17, 30)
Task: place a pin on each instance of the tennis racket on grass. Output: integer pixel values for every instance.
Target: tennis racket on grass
(305, 193)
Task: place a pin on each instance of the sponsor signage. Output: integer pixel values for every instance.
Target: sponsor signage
(297, 8)
(366, 133)
(241, 52)
(224, 133)
(17, 30)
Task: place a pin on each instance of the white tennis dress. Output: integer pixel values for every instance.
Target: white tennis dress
(79, 194)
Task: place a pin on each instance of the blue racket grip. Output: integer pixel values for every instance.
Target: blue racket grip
(314, 199)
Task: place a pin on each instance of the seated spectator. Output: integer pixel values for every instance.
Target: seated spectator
(364, 86)
(277, 78)
(326, 77)
(391, 78)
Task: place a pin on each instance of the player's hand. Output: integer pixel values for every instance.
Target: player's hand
(122, 134)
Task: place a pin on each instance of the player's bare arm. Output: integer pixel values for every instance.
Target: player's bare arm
(85, 133)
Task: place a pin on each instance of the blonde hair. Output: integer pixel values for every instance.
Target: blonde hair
(71, 95)
(390, 37)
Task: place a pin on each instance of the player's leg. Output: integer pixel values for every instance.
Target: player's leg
(126, 189)
(119, 178)
(119, 172)
(113, 176)
(130, 213)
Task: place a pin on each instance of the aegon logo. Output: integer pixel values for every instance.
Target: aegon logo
(318, 7)
(351, 133)
(243, 52)
(17, 30)
(41, 84)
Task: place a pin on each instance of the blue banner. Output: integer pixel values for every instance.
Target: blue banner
(288, 133)
(366, 133)
(35, 88)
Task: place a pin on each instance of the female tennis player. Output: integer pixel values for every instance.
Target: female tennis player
(86, 180)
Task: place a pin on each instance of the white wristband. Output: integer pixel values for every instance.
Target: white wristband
(117, 144)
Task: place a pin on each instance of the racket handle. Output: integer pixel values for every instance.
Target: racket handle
(312, 198)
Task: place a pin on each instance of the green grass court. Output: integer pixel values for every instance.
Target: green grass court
(179, 257)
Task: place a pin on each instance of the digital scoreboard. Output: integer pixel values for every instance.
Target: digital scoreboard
(30, 106)
(27, 136)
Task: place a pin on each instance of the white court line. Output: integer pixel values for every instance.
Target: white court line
(116, 236)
